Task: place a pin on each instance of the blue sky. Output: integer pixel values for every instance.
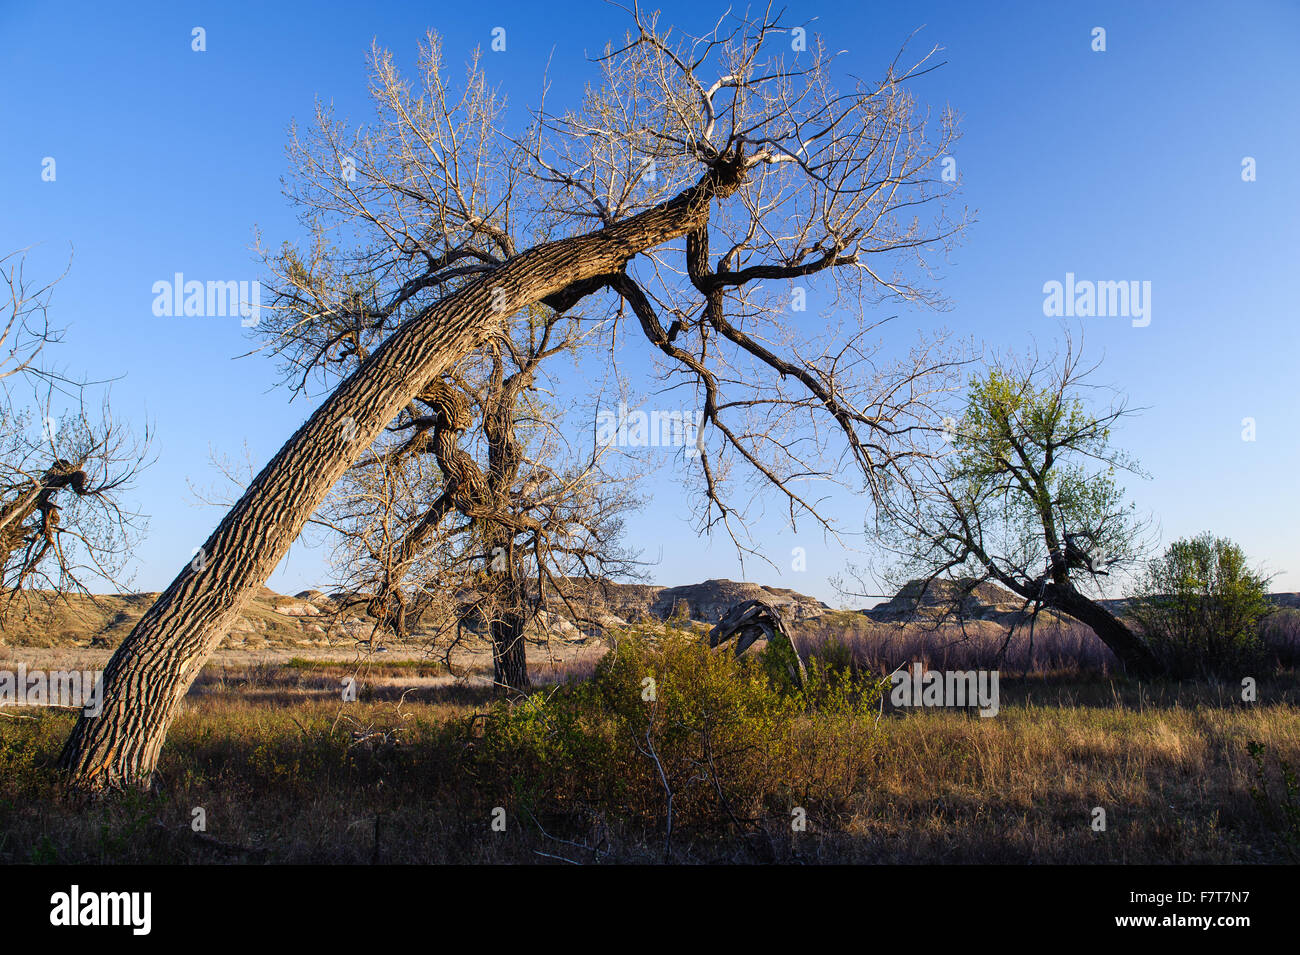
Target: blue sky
(1122, 165)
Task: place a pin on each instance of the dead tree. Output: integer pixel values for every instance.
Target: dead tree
(755, 620)
(506, 529)
(35, 500)
(63, 526)
(763, 172)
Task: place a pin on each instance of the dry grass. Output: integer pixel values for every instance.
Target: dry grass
(286, 773)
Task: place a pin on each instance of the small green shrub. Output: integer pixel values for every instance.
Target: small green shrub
(835, 653)
(1199, 607)
(1283, 811)
(727, 739)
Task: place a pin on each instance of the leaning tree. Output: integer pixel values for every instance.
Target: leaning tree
(1026, 497)
(689, 189)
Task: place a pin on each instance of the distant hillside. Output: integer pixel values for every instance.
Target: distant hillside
(313, 619)
(986, 601)
(270, 619)
(705, 602)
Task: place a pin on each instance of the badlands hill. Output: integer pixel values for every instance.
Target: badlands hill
(315, 619)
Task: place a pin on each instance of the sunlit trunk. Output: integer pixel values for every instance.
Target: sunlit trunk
(152, 670)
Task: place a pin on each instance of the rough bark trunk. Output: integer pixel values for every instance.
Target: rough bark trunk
(151, 671)
(509, 657)
(1132, 652)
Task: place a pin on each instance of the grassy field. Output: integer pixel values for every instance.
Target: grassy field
(418, 769)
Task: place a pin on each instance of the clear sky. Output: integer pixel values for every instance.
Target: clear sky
(1117, 165)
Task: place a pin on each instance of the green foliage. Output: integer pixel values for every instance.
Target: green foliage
(1029, 481)
(1199, 606)
(1008, 415)
(1282, 813)
(24, 750)
(835, 653)
(731, 739)
(1037, 460)
(780, 663)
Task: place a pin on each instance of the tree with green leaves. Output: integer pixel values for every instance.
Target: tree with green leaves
(1199, 604)
(1025, 495)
